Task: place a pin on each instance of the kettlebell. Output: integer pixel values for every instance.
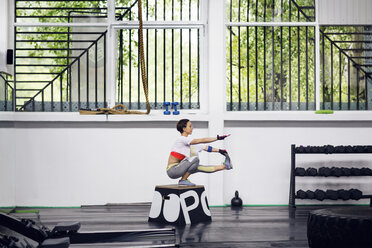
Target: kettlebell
(236, 201)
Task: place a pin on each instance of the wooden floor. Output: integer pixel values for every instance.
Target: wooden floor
(249, 227)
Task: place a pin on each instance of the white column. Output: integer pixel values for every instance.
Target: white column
(111, 54)
(216, 90)
(317, 56)
(4, 35)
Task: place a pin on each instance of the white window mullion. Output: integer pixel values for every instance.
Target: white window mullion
(111, 55)
(317, 56)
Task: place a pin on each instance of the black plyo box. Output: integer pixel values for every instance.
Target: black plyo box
(179, 205)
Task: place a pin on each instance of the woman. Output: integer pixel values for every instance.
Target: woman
(184, 161)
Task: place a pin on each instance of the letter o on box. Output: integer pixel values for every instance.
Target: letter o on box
(171, 209)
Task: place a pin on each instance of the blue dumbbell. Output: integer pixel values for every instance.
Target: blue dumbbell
(166, 104)
(175, 112)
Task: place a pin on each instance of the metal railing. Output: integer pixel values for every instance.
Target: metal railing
(57, 11)
(346, 67)
(270, 67)
(172, 57)
(81, 84)
(271, 10)
(56, 53)
(6, 94)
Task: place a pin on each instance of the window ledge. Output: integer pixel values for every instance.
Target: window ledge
(158, 116)
(298, 116)
(76, 117)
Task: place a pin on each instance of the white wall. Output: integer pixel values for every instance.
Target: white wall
(262, 158)
(73, 164)
(7, 164)
(345, 12)
(87, 163)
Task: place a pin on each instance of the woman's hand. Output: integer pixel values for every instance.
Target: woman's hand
(222, 137)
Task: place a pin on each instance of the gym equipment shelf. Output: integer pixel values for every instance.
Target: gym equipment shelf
(327, 149)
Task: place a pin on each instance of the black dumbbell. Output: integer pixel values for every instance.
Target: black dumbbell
(301, 194)
(343, 194)
(358, 149)
(300, 149)
(355, 194)
(368, 149)
(365, 171)
(331, 194)
(311, 172)
(320, 194)
(346, 171)
(329, 149)
(314, 149)
(299, 171)
(336, 172)
(339, 149)
(324, 171)
(355, 172)
(310, 194)
(349, 149)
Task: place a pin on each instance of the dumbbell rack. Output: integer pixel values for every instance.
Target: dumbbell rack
(294, 151)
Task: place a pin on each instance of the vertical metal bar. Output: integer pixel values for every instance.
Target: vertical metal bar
(264, 10)
(348, 84)
(307, 70)
(290, 67)
(231, 74)
(78, 72)
(14, 96)
(104, 71)
(42, 101)
(198, 41)
(290, 10)
(190, 56)
(357, 94)
(248, 6)
(5, 95)
(69, 87)
(130, 66)
(181, 40)
(147, 48)
(316, 56)
(172, 53)
(61, 92)
(273, 69)
(298, 70)
(366, 90)
(164, 57)
(323, 65)
(138, 74)
(88, 78)
(51, 98)
(281, 10)
(248, 88)
(239, 64)
(256, 64)
(96, 76)
(281, 64)
(264, 63)
(256, 17)
(331, 75)
(340, 89)
(121, 67)
(292, 196)
(273, 11)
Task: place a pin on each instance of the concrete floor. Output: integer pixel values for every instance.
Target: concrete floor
(247, 227)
